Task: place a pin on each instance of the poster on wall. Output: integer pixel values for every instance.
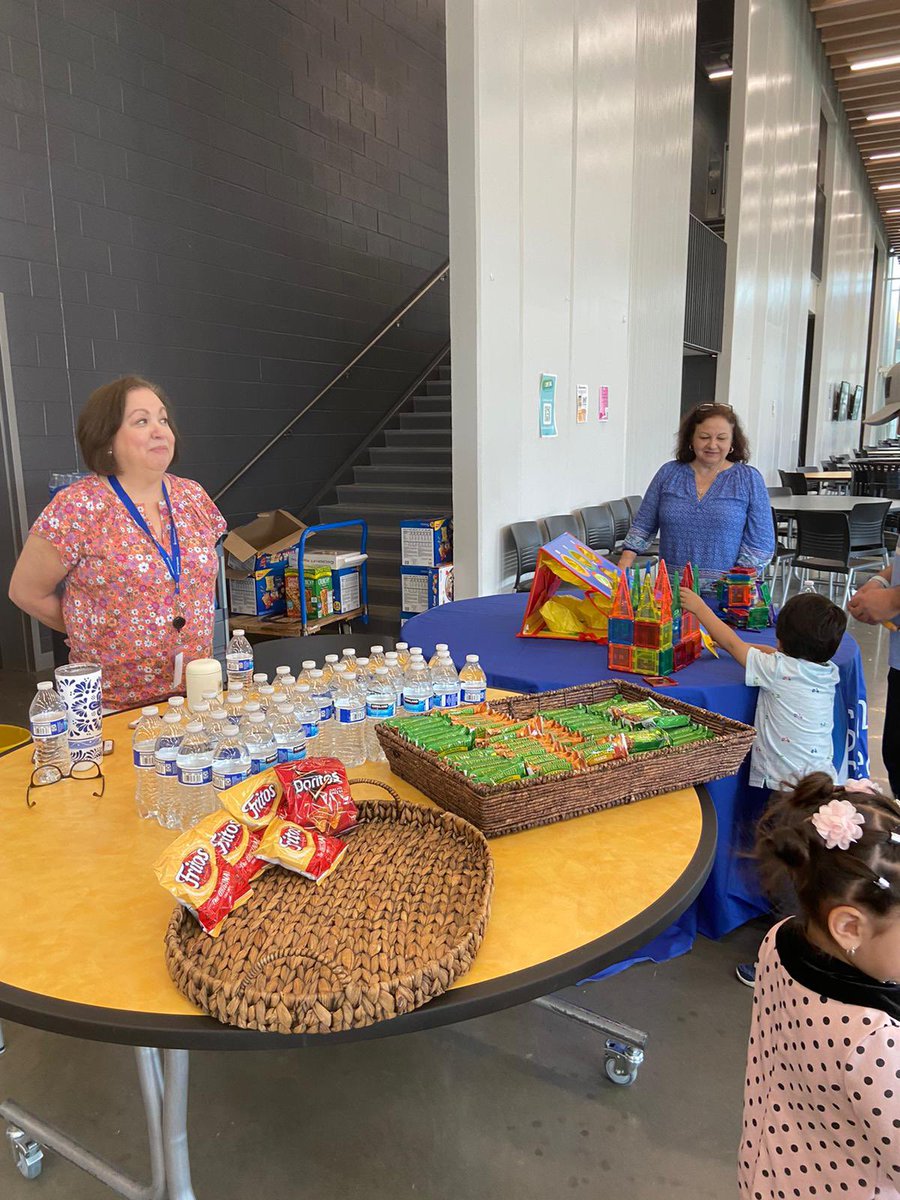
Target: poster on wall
(603, 404)
(547, 406)
(581, 404)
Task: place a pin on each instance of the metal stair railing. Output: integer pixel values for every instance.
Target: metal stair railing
(392, 322)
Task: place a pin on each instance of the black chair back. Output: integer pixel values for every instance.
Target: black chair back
(823, 541)
(599, 528)
(867, 523)
(796, 481)
(633, 503)
(527, 539)
(563, 523)
(622, 518)
(292, 651)
(775, 492)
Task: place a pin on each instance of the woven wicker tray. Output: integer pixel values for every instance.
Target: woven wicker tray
(525, 803)
(400, 919)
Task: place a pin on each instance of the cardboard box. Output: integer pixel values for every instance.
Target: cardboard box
(345, 585)
(256, 556)
(292, 591)
(259, 594)
(426, 543)
(422, 588)
(336, 559)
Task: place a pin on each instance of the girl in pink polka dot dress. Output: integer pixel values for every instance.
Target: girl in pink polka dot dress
(822, 1093)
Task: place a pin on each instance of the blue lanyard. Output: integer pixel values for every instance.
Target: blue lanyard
(172, 556)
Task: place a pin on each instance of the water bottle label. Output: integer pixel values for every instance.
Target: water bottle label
(292, 753)
(240, 664)
(262, 762)
(350, 716)
(474, 693)
(379, 710)
(447, 700)
(47, 729)
(166, 766)
(195, 776)
(310, 728)
(221, 782)
(144, 759)
(326, 711)
(416, 704)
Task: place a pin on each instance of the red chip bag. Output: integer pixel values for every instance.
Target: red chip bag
(317, 795)
(254, 801)
(305, 851)
(199, 878)
(234, 842)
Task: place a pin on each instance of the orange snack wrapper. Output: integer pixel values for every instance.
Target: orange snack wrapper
(305, 851)
(255, 801)
(234, 842)
(200, 879)
(316, 795)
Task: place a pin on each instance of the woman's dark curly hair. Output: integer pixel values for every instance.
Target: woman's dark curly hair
(684, 451)
(791, 852)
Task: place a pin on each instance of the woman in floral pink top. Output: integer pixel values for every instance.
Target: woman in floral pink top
(134, 596)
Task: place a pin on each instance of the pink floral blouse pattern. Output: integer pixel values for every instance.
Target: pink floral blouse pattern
(118, 598)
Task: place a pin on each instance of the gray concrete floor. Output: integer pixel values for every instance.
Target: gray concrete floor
(510, 1105)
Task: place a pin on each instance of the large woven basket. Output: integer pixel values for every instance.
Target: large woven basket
(392, 927)
(522, 804)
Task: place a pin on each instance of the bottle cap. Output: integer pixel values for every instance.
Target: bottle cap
(150, 711)
(195, 727)
(415, 649)
(331, 658)
(316, 674)
(237, 633)
(471, 658)
(252, 706)
(45, 686)
(219, 714)
(376, 650)
(441, 646)
(303, 688)
(260, 677)
(381, 670)
(402, 645)
(282, 671)
(309, 664)
(172, 717)
(349, 653)
(284, 708)
(256, 717)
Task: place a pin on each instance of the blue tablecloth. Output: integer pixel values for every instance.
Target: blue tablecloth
(731, 896)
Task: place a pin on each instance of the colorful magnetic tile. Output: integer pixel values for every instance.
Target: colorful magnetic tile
(665, 635)
(646, 662)
(666, 661)
(646, 634)
(680, 658)
(621, 630)
(619, 658)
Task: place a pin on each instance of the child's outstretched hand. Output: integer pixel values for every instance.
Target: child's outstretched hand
(691, 602)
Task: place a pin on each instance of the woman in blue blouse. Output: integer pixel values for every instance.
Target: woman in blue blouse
(710, 506)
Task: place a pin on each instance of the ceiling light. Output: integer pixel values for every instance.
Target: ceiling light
(889, 187)
(721, 73)
(882, 157)
(893, 115)
(870, 64)
(892, 212)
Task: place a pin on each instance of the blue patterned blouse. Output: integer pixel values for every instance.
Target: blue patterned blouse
(731, 524)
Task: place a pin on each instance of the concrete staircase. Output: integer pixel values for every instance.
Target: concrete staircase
(408, 473)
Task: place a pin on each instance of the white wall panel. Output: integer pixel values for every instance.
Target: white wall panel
(568, 121)
(780, 84)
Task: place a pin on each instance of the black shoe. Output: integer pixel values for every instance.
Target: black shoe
(746, 973)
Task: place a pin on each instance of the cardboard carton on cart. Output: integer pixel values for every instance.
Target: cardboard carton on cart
(422, 588)
(426, 542)
(257, 555)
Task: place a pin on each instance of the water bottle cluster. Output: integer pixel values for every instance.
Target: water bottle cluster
(183, 759)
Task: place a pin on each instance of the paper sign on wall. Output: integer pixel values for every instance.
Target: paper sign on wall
(581, 404)
(547, 406)
(603, 404)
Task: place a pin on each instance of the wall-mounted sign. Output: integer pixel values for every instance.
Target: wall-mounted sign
(581, 404)
(603, 404)
(547, 406)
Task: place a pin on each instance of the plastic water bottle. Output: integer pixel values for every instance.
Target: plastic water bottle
(417, 690)
(473, 681)
(218, 725)
(280, 673)
(176, 705)
(402, 649)
(231, 762)
(282, 689)
(260, 679)
(196, 796)
(290, 740)
(323, 697)
(381, 704)
(395, 671)
(445, 682)
(165, 754)
(439, 647)
(265, 697)
(331, 661)
(350, 720)
(348, 656)
(306, 668)
(257, 735)
(49, 723)
(376, 658)
(143, 749)
(234, 703)
(239, 659)
(307, 713)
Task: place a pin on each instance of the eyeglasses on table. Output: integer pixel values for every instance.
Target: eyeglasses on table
(46, 776)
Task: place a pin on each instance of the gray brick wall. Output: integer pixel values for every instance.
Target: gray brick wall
(228, 196)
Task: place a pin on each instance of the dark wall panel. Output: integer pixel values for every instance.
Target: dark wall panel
(228, 196)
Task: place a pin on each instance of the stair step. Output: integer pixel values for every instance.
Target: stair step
(423, 421)
(439, 438)
(383, 519)
(401, 475)
(394, 456)
(437, 387)
(444, 371)
(385, 589)
(365, 495)
(432, 404)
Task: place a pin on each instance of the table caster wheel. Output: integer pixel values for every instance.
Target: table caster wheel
(27, 1155)
(622, 1063)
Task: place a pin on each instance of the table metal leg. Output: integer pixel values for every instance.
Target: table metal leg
(28, 1133)
(624, 1045)
(175, 1139)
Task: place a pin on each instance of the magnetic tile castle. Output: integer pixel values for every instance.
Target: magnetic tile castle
(744, 599)
(648, 634)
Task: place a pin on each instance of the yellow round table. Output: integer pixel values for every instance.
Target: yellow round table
(81, 950)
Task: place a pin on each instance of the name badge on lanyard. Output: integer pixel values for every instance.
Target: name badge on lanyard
(171, 557)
